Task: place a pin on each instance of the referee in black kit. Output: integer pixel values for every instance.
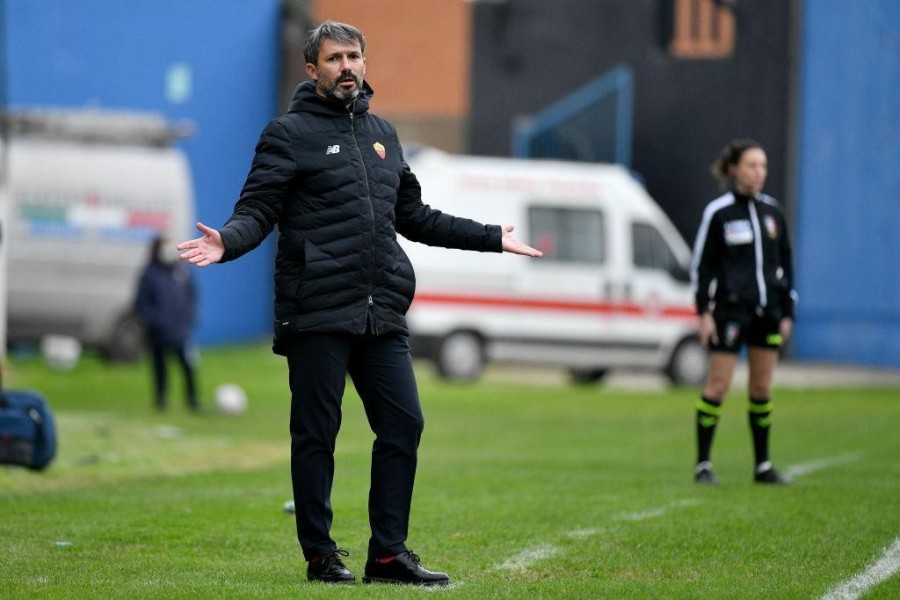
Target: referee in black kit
(743, 277)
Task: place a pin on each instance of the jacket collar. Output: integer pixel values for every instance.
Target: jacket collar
(305, 99)
(742, 198)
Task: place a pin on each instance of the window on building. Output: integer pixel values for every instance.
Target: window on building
(568, 234)
(703, 29)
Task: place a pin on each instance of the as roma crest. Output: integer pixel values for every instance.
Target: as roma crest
(379, 149)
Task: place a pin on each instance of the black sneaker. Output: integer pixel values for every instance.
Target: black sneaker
(329, 568)
(771, 476)
(403, 568)
(705, 475)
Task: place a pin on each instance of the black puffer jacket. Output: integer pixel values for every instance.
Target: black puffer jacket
(335, 182)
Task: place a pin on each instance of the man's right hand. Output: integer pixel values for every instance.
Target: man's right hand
(203, 251)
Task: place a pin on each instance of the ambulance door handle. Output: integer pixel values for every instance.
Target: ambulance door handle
(626, 291)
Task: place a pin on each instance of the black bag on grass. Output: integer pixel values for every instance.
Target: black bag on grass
(27, 430)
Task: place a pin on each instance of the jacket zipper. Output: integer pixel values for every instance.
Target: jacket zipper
(370, 303)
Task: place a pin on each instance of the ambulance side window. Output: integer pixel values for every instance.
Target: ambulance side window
(568, 234)
(649, 250)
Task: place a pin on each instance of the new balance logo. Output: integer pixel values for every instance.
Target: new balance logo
(333, 149)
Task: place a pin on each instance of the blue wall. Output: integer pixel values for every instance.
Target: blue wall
(117, 55)
(848, 210)
(112, 54)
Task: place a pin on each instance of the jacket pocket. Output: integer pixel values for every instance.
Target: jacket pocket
(404, 278)
(290, 264)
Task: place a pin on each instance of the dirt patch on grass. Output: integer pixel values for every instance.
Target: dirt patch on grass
(104, 448)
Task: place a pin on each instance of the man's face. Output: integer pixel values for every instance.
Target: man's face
(339, 70)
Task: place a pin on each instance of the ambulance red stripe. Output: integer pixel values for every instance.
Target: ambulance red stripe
(553, 305)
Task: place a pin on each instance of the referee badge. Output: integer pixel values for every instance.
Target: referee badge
(771, 226)
(379, 149)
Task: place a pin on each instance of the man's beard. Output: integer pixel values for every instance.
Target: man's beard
(333, 90)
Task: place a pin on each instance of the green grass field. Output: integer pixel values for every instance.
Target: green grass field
(523, 491)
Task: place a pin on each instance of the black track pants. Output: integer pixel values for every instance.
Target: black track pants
(381, 370)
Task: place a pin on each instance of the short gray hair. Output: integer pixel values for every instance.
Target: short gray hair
(331, 30)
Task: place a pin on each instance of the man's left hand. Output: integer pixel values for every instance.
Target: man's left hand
(511, 244)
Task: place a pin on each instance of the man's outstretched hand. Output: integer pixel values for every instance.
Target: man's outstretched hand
(205, 250)
(511, 244)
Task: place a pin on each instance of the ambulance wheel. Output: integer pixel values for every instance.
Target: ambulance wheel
(126, 344)
(461, 356)
(688, 364)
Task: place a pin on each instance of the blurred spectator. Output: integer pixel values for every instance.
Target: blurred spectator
(166, 300)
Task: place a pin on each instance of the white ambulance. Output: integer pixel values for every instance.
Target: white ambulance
(84, 192)
(611, 292)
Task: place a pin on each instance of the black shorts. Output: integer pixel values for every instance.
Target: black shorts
(738, 327)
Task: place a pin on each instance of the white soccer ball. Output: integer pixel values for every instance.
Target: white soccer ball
(61, 351)
(231, 399)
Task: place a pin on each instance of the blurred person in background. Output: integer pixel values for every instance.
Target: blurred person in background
(167, 303)
(331, 175)
(743, 276)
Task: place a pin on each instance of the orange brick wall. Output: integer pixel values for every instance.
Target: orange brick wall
(417, 51)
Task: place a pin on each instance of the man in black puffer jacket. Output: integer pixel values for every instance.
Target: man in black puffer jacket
(332, 177)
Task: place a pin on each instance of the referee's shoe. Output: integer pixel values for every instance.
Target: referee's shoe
(766, 473)
(703, 473)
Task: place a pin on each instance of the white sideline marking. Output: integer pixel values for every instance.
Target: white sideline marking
(822, 463)
(887, 565)
(528, 557)
(439, 589)
(643, 515)
(580, 534)
(659, 511)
